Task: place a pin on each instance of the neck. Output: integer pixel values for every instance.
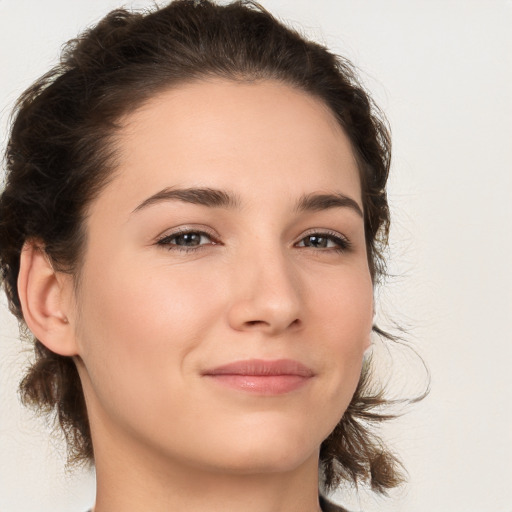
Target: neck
(131, 478)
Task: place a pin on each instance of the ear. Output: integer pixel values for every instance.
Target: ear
(45, 297)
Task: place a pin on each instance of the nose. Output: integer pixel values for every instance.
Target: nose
(266, 294)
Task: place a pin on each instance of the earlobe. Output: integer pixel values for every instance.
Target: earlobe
(44, 297)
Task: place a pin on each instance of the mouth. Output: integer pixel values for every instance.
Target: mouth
(264, 377)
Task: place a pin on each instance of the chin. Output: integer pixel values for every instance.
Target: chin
(266, 450)
(266, 461)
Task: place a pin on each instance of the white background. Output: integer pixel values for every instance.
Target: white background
(442, 71)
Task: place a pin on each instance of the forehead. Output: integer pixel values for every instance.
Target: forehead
(252, 136)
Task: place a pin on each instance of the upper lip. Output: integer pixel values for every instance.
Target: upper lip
(262, 367)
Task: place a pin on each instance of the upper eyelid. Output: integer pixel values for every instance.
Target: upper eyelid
(182, 231)
(324, 231)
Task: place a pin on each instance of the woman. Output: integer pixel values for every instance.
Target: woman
(191, 229)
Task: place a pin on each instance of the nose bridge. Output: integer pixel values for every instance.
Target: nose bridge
(266, 289)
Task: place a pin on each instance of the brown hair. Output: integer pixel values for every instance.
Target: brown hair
(59, 156)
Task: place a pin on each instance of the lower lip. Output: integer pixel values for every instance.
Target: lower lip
(262, 384)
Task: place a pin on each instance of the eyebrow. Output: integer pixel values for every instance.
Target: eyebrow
(215, 198)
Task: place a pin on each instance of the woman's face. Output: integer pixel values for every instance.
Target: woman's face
(225, 300)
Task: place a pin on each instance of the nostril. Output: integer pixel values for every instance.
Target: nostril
(251, 323)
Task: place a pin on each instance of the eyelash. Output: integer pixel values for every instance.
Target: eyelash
(343, 243)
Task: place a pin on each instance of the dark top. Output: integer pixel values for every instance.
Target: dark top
(327, 506)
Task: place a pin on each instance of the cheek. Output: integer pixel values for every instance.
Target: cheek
(346, 314)
(146, 308)
(346, 308)
(138, 331)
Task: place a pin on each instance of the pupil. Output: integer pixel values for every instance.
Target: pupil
(317, 241)
(190, 237)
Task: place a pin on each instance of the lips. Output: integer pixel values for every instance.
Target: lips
(261, 376)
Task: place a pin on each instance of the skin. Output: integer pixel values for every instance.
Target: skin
(148, 319)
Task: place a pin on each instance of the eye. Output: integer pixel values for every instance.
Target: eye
(186, 240)
(195, 240)
(326, 240)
